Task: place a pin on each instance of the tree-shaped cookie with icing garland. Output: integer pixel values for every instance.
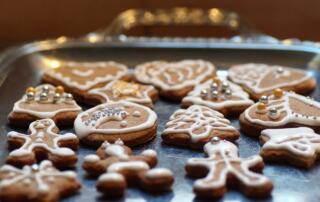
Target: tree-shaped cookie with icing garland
(122, 90)
(296, 146)
(80, 77)
(281, 110)
(44, 101)
(262, 79)
(42, 142)
(133, 123)
(117, 167)
(41, 183)
(174, 79)
(195, 126)
(221, 95)
(223, 168)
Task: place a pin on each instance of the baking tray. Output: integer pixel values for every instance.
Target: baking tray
(19, 68)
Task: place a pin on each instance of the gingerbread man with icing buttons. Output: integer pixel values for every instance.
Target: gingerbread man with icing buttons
(42, 142)
(117, 167)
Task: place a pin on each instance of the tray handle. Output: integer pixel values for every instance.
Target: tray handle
(178, 16)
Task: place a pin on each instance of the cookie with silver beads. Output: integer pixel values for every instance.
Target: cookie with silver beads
(262, 79)
(282, 109)
(219, 94)
(44, 101)
(135, 124)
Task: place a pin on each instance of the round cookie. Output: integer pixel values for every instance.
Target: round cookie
(122, 90)
(133, 123)
(220, 95)
(195, 126)
(79, 77)
(280, 110)
(44, 101)
(262, 79)
(174, 79)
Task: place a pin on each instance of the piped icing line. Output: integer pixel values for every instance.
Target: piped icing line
(282, 105)
(195, 97)
(82, 73)
(300, 141)
(143, 98)
(251, 75)
(201, 117)
(160, 68)
(45, 114)
(225, 153)
(68, 81)
(84, 129)
(29, 175)
(40, 136)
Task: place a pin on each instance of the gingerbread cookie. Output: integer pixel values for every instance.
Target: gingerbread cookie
(262, 79)
(295, 146)
(195, 126)
(281, 110)
(221, 95)
(122, 90)
(79, 77)
(41, 183)
(174, 79)
(44, 101)
(42, 142)
(223, 168)
(133, 123)
(117, 167)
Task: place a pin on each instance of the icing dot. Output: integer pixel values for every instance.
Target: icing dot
(27, 181)
(123, 123)
(136, 114)
(158, 172)
(149, 152)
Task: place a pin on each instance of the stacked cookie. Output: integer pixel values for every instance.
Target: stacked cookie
(122, 115)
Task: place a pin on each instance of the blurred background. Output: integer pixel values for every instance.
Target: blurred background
(23, 21)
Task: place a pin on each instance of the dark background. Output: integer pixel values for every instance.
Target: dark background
(26, 20)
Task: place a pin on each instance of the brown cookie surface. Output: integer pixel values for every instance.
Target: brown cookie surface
(220, 95)
(262, 79)
(195, 126)
(121, 90)
(117, 167)
(133, 123)
(224, 168)
(174, 79)
(42, 142)
(295, 146)
(42, 183)
(44, 101)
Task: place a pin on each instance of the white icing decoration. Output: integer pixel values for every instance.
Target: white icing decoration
(136, 114)
(251, 75)
(200, 117)
(195, 97)
(149, 152)
(225, 153)
(282, 105)
(90, 65)
(123, 123)
(303, 142)
(111, 177)
(160, 68)
(82, 73)
(133, 166)
(91, 158)
(29, 145)
(116, 150)
(45, 114)
(83, 130)
(158, 173)
(28, 175)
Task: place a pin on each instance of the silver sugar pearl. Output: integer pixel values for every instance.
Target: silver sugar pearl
(43, 96)
(56, 97)
(280, 70)
(264, 99)
(228, 92)
(225, 85)
(273, 111)
(68, 97)
(30, 96)
(45, 89)
(34, 167)
(214, 94)
(213, 86)
(215, 140)
(204, 93)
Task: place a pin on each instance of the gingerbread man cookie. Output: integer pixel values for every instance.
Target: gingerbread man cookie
(196, 126)
(121, 90)
(281, 110)
(262, 79)
(174, 79)
(117, 167)
(42, 142)
(223, 168)
(133, 123)
(221, 95)
(295, 146)
(80, 77)
(44, 101)
(41, 183)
